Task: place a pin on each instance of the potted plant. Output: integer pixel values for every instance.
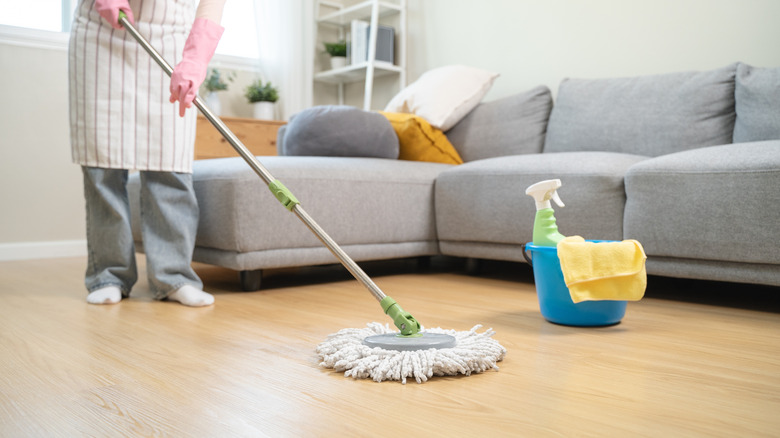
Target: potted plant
(262, 96)
(213, 83)
(338, 54)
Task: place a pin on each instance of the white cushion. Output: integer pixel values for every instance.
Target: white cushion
(444, 95)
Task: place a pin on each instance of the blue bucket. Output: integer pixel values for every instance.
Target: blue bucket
(555, 301)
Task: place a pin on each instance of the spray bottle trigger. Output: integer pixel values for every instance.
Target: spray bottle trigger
(557, 199)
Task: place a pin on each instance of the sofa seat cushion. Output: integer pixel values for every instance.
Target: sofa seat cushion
(484, 201)
(363, 203)
(716, 203)
(757, 103)
(648, 115)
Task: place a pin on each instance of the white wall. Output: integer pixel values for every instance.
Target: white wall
(530, 42)
(41, 198)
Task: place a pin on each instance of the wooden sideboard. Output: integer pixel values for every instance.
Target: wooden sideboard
(259, 136)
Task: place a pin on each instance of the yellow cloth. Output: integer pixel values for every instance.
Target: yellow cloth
(603, 270)
(419, 141)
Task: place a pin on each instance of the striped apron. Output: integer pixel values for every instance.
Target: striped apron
(120, 115)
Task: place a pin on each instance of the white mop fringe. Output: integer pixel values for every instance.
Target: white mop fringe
(473, 353)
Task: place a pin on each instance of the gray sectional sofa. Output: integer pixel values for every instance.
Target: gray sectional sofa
(686, 163)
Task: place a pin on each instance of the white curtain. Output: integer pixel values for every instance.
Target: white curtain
(285, 41)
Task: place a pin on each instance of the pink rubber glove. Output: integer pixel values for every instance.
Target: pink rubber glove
(191, 71)
(109, 10)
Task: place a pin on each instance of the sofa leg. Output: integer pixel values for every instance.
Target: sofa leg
(251, 280)
(473, 266)
(424, 263)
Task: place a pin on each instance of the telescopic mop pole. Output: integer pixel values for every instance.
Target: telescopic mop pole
(402, 319)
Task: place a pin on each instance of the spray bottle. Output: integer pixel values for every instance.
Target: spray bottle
(545, 228)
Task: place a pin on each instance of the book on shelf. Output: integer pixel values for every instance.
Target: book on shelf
(359, 39)
(385, 44)
(359, 34)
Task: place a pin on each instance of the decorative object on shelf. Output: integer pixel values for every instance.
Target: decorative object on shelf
(338, 54)
(263, 97)
(375, 34)
(360, 31)
(213, 83)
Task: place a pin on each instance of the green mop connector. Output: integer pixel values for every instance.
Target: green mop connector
(402, 319)
(283, 194)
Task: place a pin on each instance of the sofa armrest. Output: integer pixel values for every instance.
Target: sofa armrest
(713, 203)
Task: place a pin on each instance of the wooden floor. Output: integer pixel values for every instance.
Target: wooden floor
(691, 359)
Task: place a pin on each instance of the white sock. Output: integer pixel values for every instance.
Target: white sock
(191, 296)
(105, 295)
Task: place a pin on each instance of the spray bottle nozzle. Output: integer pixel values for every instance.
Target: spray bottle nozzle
(543, 191)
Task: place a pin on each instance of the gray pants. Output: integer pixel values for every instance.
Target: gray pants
(169, 216)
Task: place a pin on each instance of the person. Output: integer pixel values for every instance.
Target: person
(125, 114)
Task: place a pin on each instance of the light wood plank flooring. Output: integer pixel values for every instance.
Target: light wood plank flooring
(691, 359)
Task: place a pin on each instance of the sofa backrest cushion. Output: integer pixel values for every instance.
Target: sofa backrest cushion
(647, 115)
(509, 126)
(339, 131)
(757, 96)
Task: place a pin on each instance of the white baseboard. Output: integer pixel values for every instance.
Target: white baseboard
(42, 250)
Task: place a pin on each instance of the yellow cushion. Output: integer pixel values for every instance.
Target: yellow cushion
(419, 141)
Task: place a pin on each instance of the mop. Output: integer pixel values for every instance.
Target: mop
(376, 351)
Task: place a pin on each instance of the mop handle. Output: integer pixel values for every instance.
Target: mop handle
(294, 206)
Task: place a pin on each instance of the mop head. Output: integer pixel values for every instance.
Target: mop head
(473, 353)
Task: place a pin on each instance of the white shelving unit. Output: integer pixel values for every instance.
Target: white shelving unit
(340, 20)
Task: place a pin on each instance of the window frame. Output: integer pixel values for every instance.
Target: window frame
(53, 40)
(35, 38)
